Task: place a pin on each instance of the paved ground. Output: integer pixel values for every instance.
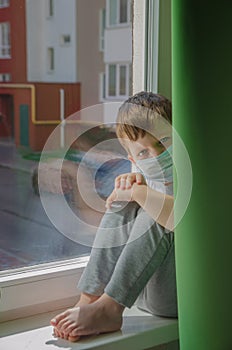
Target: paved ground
(27, 236)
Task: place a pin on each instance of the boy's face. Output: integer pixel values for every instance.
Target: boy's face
(146, 147)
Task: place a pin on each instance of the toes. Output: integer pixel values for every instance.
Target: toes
(62, 325)
(55, 333)
(70, 328)
(60, 333)
(73, 333)
(73, 339)
(59, 317)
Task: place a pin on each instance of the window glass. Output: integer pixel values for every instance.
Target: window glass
(102, 29)
(102, 86)
(51, 59)
(112, 80)
(50, 69)
(50, 7)
(4, 3)
(123, 11)
(5, 45)
(113, 10)
(123, 79)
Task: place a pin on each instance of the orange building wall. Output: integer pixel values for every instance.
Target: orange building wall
(16, 65)
(47, 109)
(47, 95)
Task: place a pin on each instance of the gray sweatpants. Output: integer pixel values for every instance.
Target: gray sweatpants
(133, 260)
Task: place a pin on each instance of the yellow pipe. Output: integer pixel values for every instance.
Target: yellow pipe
(33, 110)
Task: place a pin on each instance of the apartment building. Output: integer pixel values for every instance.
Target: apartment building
(56, 57)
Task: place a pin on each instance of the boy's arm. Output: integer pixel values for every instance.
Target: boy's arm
(158, 205)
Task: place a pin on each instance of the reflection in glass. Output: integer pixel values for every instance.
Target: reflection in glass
(57, 60)
(112, 80)
(113, 9)
(123, 11)
(122, 80)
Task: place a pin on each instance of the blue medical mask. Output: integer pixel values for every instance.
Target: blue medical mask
(158, 168)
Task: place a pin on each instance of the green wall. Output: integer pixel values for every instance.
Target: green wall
(164, 65)
(202, 108)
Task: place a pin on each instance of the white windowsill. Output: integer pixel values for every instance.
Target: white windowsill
(40, 289)
(140, 331)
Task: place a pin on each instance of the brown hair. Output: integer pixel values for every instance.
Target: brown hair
(134, 120)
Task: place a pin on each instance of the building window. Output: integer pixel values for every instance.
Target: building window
(102, 89)
(112, 80)
(5, 77)
(51, 60)
(123, 11)
(122, 80)
(102, 26)
(118, 12)
(4, 3)
(118, 80)
(65, 40)
(5, 46)
(50, 8)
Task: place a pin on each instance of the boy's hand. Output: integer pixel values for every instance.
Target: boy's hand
(119, 195)
(124, 188)
(126, 181)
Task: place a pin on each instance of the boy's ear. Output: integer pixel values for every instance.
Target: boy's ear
(131, 159)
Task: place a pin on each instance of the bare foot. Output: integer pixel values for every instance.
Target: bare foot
(102, 316)
(85, 299)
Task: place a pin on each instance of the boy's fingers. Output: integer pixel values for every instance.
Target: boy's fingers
(131, 178)
(112, 197)
(139, 178)
(117, 181)
(123, 183)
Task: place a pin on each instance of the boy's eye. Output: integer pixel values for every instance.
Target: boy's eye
(163, 140)
(143, 153)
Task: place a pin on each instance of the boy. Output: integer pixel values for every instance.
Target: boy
(133, 254)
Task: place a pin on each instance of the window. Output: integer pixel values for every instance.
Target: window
(123, 11)
(50, 8)
(102, 89)
(39, 263)
(118, 78)
(122, 80)
(51, 59)
(102, 26)
(4, 77)
(5, 45)
(118, 12)
(65, 40)
(112, 79)
(4, 3)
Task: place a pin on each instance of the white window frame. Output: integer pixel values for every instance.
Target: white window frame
(48, 287)
(118, 23)
(102, 27)
(4, 3)
(42, 288)
(145, 45)
(102, 87)
(5, 43)
(118, 96)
